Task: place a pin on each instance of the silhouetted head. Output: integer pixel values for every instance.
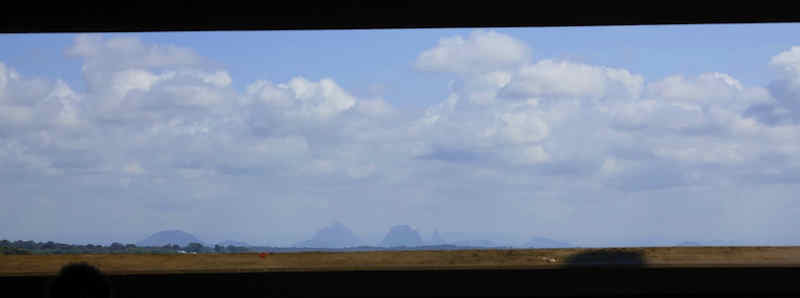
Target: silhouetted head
(79, 280)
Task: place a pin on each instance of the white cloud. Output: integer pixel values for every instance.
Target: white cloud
(303, 99)
(219, 79)
(183, 142)
(532, 155)
(268, 93)
(17, 159)
(134, 79)
(200, 96)
(787, 62)
(481, 89)
(375, 108)
(523, 128)
(510, 131)
(320, 167)
(709, 104)
(361, 171)
(327, 97)
(482, 51)
(717, 89)
(705, 152)
(129, 80)
(558, 79)
(65, 105)
(561, 107)
(15, 115)
(129, 52)
(195, 173)
(36, 103)
(784, 104)
(6, 75)
(280, 148)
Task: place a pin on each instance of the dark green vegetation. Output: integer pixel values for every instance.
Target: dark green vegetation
(32, 247)
(53, 248)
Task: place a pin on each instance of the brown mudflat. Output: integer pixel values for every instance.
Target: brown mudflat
(408, 260)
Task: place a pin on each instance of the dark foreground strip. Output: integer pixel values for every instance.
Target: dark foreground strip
(144, 16)
(760, 282)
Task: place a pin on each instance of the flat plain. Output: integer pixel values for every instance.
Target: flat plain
(120, 264)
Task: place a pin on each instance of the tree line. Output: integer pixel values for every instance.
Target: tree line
(30, 247)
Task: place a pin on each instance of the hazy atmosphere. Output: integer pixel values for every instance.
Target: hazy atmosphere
(596, 136)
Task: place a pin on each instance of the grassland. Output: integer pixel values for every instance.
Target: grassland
(400, 260)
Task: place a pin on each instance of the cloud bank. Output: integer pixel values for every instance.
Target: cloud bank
(587, 153)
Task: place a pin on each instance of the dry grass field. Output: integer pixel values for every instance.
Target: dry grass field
(400, 260)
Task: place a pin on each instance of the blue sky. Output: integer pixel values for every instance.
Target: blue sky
(590, 135)
(362, 58)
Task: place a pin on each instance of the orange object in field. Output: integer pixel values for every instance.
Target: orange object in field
(263, 255)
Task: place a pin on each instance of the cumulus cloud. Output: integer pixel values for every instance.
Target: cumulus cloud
(481, 89)
(375, 107)
(28, 104)
(787, 62)
(530, 155)
(559, 79)
(523, 128)
(165, 135)
(161, 134)
(710, 104)
(6, 75)
(17, 159)
(129, 52)
(302, 99)
(132, 82)
(481, 51)
(689, 124)
(708, 89)
(784, 105)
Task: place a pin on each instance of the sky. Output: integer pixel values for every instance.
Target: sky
(596, 136)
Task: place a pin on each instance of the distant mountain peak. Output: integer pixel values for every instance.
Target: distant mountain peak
(336, 226)
(172, 237)
(335, 235)
(402, 235)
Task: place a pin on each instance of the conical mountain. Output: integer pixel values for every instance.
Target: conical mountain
(402, 235)
(171, 237)
(336, 235)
